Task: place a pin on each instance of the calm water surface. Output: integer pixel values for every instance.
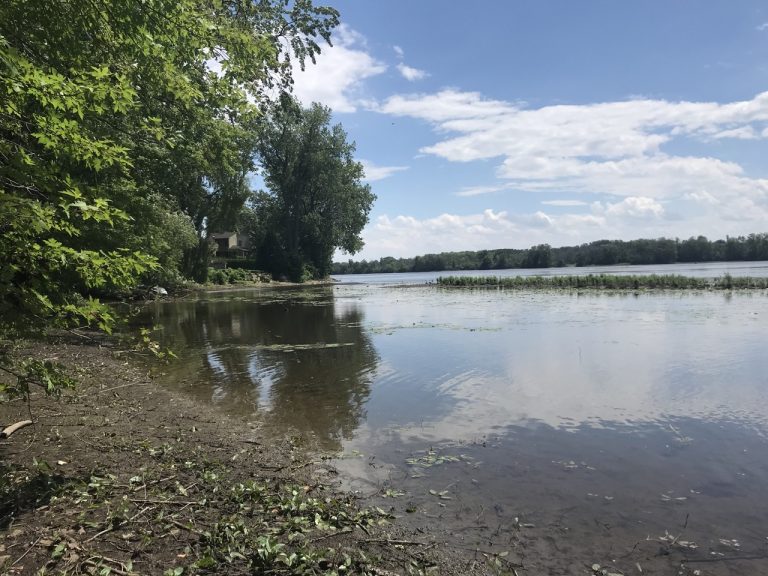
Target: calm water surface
(576, 428)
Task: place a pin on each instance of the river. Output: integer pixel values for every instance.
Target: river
(569, 429)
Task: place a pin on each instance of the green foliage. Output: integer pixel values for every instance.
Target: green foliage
(120, 142)
(228, 276)
(49, 375)
(317, 201)
(607, 282)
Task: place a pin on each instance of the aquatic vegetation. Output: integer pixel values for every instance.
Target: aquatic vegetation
(295, 347)
(606, 282)
(433, 458)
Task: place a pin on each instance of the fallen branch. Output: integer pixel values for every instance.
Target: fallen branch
(144, 486)
(8, 430)
(396, 542)
(187, 528)
(172, 502)
(27, 551)
(121, 524)
(121, 386)
(112, 569)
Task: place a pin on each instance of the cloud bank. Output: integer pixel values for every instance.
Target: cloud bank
(619, 156)
(337, 79)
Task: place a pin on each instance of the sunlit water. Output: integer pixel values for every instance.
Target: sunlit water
(599, 420)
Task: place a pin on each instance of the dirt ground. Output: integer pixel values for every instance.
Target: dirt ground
(121, 477)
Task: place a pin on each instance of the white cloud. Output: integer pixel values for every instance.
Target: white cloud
(374, 172)
(628, 218)
(443, 106)
(479, 190)
(399, 51)
(609, 148)
(564, 203)
(491, 128)
(336, 79)
(411, 74)
(702, 197)
(403, 235)
(632, 207)
(762, 27)
(740, 133)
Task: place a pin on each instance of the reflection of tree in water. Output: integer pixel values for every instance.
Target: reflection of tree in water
(236, 352)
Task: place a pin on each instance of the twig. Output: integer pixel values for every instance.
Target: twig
(631, 551)
(178, 502)
(188, 528)
(144, 486)
(396, 542)
(83, 336)
(123, 386)
(111, 569)
(123, 523)
(27, 551)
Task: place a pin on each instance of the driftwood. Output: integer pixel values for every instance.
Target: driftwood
(8, 430)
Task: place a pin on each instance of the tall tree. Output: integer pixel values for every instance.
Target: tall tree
(316, 201)
(125, 126)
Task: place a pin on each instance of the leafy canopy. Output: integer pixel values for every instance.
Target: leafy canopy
(124, 126)
(316, 201)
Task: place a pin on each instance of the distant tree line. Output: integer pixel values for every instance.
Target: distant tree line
(598, 253)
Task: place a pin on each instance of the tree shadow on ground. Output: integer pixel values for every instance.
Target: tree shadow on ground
(22, 490)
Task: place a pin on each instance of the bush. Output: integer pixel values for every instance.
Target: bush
(242, 263)
(228, 276)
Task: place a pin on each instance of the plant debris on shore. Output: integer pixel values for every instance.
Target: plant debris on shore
(122, 477)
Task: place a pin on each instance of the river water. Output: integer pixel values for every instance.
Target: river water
(627, 430)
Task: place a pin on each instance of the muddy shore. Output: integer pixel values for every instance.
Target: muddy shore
(121, 476)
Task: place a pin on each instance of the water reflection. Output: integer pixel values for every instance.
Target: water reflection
(475, 362)
(297, 358)
(603, 420)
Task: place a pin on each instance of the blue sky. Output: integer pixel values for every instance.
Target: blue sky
(503, 124)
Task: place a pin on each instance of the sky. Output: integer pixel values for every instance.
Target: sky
(510, 123)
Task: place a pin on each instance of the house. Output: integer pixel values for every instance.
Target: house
(230, 244)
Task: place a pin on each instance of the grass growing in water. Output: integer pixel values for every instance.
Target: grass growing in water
(607, 282)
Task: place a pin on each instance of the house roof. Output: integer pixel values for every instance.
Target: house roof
(222, 235)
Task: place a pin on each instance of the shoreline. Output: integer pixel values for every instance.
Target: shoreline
(247, 285)
(123, 474)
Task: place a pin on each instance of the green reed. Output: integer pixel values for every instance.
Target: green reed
(608, 282)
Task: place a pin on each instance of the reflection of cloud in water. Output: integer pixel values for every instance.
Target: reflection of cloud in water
(568, 361)
(215, 364)
(262, 377)
(291, 355)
